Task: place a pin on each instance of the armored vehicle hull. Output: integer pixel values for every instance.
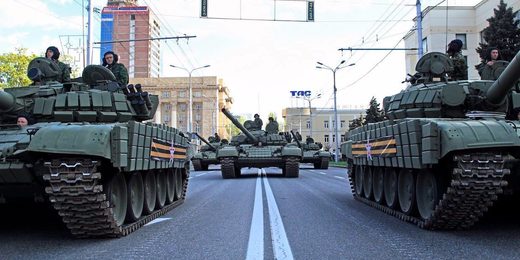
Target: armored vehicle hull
(258, 148)
(104, 172)
(446, 152)
(202, 160)
(320, 159)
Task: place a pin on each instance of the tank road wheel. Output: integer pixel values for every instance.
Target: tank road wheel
(378, 184)
(179, 183)
(135, 194)
(406, 190)
(161, 189)
(117, 196)
(205, 166)
(227, 167)
(324, 163)
(358, 180)
(197, 165)
(292, 167)
(150, 192)
(390, 187)
(170, 186)
(368, 182)
(428, 193)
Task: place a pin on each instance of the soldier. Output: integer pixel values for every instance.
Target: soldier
(258, 121)
(272, 126)
(485, 68)
(52, 53)
(460, 69)
(110, 62)
(217, 137)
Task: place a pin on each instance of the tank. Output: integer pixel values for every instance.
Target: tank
(207, 154)
(91, 153)
(447, 151)
(258, 148)
(313, 153)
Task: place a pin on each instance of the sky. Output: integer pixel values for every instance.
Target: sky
(262, 49)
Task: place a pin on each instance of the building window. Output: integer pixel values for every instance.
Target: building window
(326, 124)
(198, 106)
(198, 117)
(197, 94)
(342, 123)
(333, 138)
(166, 117)
(308, 124)
(333, 124)
(165, 94)
(197, 128)
(182, 107)
(462, 37)
(425, 44)
(326, 138)
(182, 93)
(342, 138)
(481, 34)
(167, 106)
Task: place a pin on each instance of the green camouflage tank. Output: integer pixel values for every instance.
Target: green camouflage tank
(90, 153)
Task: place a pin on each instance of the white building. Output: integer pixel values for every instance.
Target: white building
(463, 22)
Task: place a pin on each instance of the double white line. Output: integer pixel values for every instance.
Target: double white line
(255, 247)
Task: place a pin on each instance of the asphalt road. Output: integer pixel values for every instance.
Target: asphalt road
(262, 215)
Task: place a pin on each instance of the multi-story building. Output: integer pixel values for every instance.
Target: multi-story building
(464, 22)
(210, 95)
(122, 23)
(322, 124)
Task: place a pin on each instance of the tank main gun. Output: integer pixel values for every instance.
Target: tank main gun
(507, 80)
(296, 138)
(206, 142)
(7, 102)
(240, 126)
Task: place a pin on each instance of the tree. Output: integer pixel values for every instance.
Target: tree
(374, 113)
(502, 33)
(232, 129)
(13, 68)
(356, 122)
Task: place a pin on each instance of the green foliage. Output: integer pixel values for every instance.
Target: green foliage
(13, 68)
(233, 129)
(356, 122)
(502, 32)
(69, 60)
(273, 115)
(374, 113)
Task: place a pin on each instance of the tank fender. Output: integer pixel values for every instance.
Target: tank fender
(227, 151)
(74, 139)
(291, 151)
(197, 156)
(324, 154)
(473, 134)
(346, 149)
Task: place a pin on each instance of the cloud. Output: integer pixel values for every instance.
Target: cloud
(35, 14)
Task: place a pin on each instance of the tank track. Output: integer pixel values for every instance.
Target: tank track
(292, 167)
(197, 165)
(227, 167)
(472, 190)
(76, 192)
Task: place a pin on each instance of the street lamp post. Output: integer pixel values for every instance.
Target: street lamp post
(190, 99)
(323, 66)
(310, 99)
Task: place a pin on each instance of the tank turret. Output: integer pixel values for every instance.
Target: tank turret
(213, 148)
(250, 136)
(97, 99)
(432, 95)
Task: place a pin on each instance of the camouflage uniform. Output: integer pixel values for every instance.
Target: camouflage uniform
(460, 69)
(65, 72)
(120, 72)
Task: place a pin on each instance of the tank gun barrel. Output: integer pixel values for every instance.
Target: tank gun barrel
(240, 126)
(206, 142)
(507, 80)
(296, 138)
(7, 101)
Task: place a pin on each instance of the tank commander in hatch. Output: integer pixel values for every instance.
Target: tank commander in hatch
(258, 121)
(110, 61)
(460, 69)
(24, 119)
(217, 137)
(52, 53)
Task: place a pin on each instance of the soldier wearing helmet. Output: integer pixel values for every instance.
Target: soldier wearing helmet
(52, 53)
(460, 69)
(110, 61)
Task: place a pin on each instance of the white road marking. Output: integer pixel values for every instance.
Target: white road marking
(281, 247)
(202, 174)
(339, 177)
(322, 173)
(255, 246)
(157, 220)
